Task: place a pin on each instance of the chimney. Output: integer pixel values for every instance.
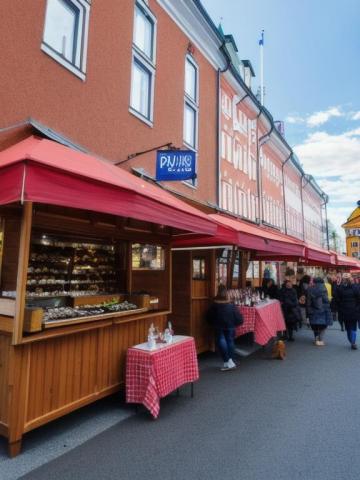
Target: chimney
(249, 73)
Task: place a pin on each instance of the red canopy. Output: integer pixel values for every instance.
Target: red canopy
(345, 261)
(44, 171)
(318, 256)
(251, 237)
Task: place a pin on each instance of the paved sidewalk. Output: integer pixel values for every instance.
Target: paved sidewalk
(267, 420)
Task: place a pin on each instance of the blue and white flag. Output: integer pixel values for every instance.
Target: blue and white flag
(261, 41)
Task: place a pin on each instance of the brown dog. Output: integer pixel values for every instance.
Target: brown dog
(279, 350)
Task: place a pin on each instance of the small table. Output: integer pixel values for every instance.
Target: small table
(265, 320)
(153, 374)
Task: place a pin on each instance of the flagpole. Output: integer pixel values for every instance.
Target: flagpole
(261, 43)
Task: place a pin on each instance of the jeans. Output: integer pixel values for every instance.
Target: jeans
(351, 335)
(225, 342)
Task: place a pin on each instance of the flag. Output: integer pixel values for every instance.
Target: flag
(261, 41)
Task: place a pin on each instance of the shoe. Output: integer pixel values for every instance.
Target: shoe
(227, 367)
(321, 343)
(317, 343)
(354, 346)
(231, 364)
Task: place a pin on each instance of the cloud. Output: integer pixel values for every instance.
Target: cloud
(355, 116)
(319, 118)
(334, 160)
(294, 119)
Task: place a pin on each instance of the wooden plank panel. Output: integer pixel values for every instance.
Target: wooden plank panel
(181, 292)
(5, 342)
(200, 329)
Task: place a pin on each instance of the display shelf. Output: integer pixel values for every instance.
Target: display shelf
(70, 265)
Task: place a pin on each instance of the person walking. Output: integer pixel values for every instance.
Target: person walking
(290, 307)
(347, 299)
(224, 317)
(302, 290)
(318, 308)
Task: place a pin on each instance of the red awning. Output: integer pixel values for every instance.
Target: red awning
(250, 237)
(319, 256)
(44, 171)
(345, 261)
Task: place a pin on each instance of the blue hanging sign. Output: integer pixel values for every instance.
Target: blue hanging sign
(175, 165)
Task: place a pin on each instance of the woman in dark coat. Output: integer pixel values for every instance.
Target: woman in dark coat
(318, 308)
(302, 291)
(224, 317)
(270, 289)
(290, 307)
(347, 298)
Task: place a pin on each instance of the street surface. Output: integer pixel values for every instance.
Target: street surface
(269, 419)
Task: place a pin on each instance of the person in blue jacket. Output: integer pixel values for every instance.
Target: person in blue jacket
(223, 316)
(347, 300)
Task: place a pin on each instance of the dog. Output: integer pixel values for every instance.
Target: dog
(279, 350)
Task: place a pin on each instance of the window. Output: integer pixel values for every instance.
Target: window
(199, 268)
(191, 102)
(226, 105)
(191, 107)
(190, 126)
(143, 63)
(191, 80)
(66, 32)
(141, 89)
(148, 257)
(227, 198)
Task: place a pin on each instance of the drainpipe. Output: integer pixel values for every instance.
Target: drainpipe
(284, 199)
(259, 183)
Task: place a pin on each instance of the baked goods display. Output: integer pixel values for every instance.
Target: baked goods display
(60, 268)
(62, 313)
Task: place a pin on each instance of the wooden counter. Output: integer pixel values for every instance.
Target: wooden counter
(56, 371)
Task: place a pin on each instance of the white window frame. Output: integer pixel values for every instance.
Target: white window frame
(146, 62)
(79, 67)
(194, 104)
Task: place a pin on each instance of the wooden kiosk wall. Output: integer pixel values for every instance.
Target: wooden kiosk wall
(49, 374)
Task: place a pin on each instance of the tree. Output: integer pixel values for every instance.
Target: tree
(335, 241)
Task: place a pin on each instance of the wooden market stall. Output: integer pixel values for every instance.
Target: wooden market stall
(201, 263)
(82, 278)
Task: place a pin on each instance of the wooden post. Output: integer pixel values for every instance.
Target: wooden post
(25, 234)
(170, 267)
(129, 267)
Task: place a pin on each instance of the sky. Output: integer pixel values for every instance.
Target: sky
(312, 82)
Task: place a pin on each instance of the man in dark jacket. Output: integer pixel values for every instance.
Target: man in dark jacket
(290, 307)
(347, 299)
(318, 307)
(224, 317)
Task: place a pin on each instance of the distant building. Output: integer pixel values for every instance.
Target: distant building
(352, 232)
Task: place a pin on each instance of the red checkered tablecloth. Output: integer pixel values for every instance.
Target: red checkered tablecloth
(265, 320)
(151, 375)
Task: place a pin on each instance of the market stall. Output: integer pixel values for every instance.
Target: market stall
(86, 268)
(265, 320)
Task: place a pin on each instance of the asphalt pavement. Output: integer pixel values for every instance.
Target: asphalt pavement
(269, 419)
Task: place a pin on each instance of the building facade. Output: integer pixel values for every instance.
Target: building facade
(352, 232)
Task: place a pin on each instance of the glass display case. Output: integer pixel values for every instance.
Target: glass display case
(147, 257)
